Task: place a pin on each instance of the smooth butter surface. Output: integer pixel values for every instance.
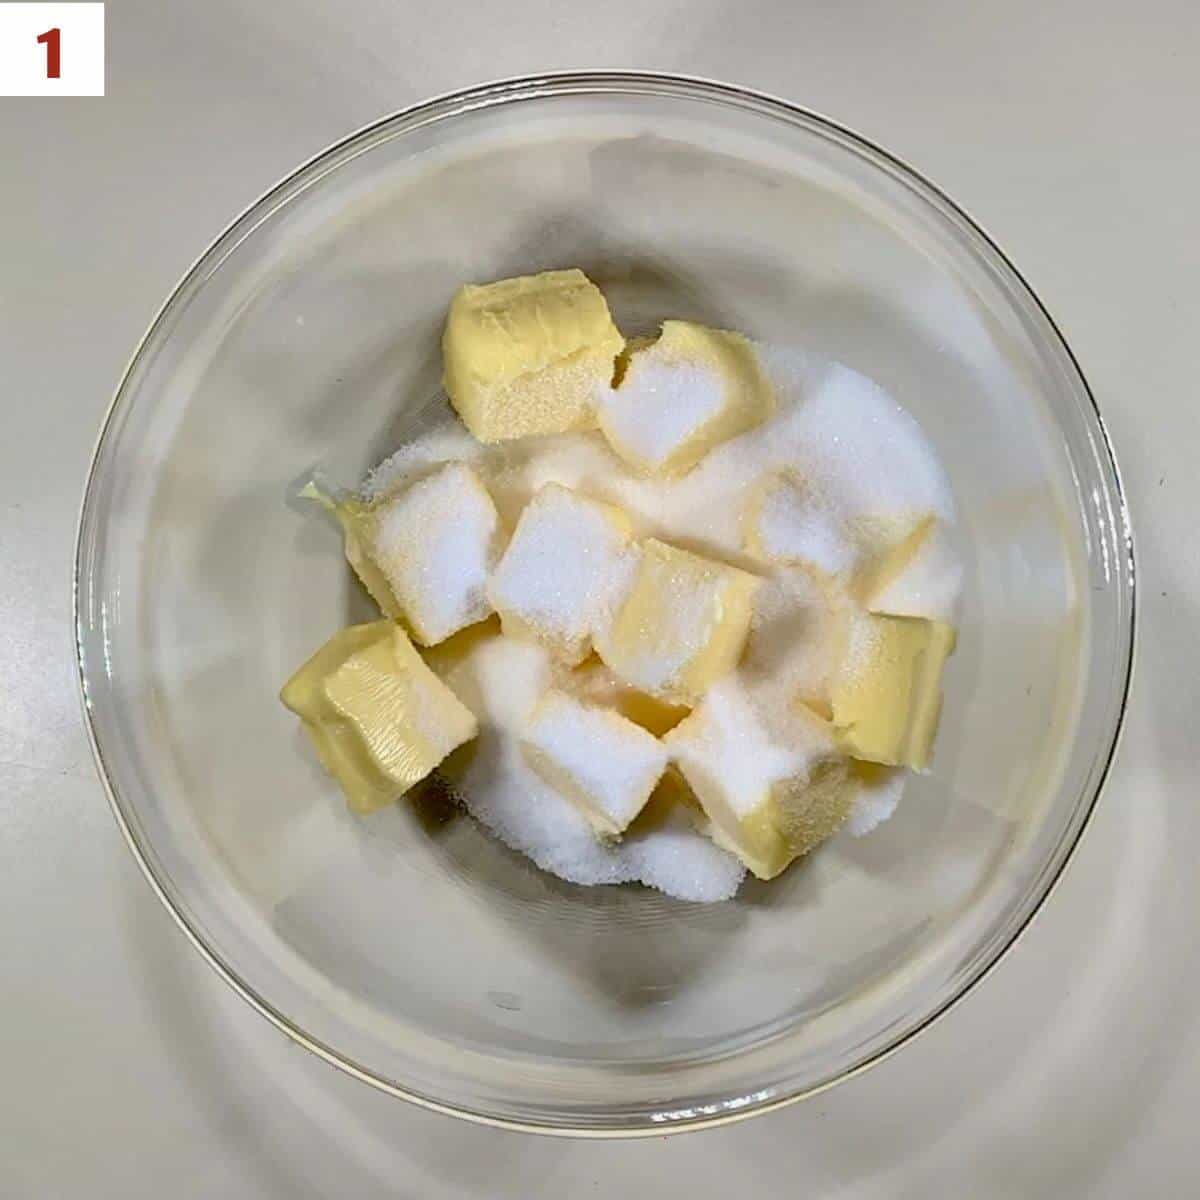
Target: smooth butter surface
(887, 698)
(529, 355)
(378, 716)
(681, 625)
(594, 683)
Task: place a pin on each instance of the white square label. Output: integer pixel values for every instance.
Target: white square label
(51, 49)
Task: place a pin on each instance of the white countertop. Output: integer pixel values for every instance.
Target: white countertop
(1068, 130)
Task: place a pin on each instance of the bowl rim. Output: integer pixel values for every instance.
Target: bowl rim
(444, 106)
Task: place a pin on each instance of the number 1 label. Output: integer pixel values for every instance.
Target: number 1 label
(52, 40)
(51, 49)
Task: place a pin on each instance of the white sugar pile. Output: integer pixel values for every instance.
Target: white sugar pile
(603, 761)
(863, 458)
(501, 680)
(855, 447)
(852, 442)
(436, 543)
(879, 793)
(447, 441)
(929, 585)
(731, 740)
(660, 406)
(561, 568)
(795, 636)
(794, 524)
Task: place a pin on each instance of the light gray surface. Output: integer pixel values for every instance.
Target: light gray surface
(130, 1070)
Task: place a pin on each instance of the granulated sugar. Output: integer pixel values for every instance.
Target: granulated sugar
(929, 585)
(561, 567)
(848, 438)
(854, 446)
(436, 543)
(605, 763)
(447, 441)
(659, 407)
(796, 637)
(791, 523)
(857, 461)
(880, 789)
(501, 680)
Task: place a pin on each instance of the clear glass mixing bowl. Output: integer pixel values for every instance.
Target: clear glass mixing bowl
(409, 948)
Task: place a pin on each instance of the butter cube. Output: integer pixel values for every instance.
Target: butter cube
(557, 578)
(788, 522)
(529, 355)
(680, 625)
(886, 698)
(594, 684)
(605, 764)
(683, 394)
(772, 789)
(672, 794)
(378, 716)
(424, 555)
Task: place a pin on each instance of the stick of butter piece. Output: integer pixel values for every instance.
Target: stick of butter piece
(607, 765)
(379, 718)
(529, 355)
(424, 554)
(681, 624)
(770, 793)
(887, 697)
(595, 684)
(683, 394)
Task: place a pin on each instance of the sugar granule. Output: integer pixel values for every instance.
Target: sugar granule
(501, 680)
(789, 523)
(436, 543)
(606, 763)
(447, 441)
(659, 407)
(879, 793)
(733, 739)
(560, 569)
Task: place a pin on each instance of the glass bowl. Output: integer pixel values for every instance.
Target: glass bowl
(409, 948)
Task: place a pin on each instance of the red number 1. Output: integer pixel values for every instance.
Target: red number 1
(52, 40)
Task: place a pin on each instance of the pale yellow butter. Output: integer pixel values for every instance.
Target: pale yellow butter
(886, 698)
(425, 553)
(529, 355)
(596, 684)
(681, 624)
(379, 718)
(771, 789)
